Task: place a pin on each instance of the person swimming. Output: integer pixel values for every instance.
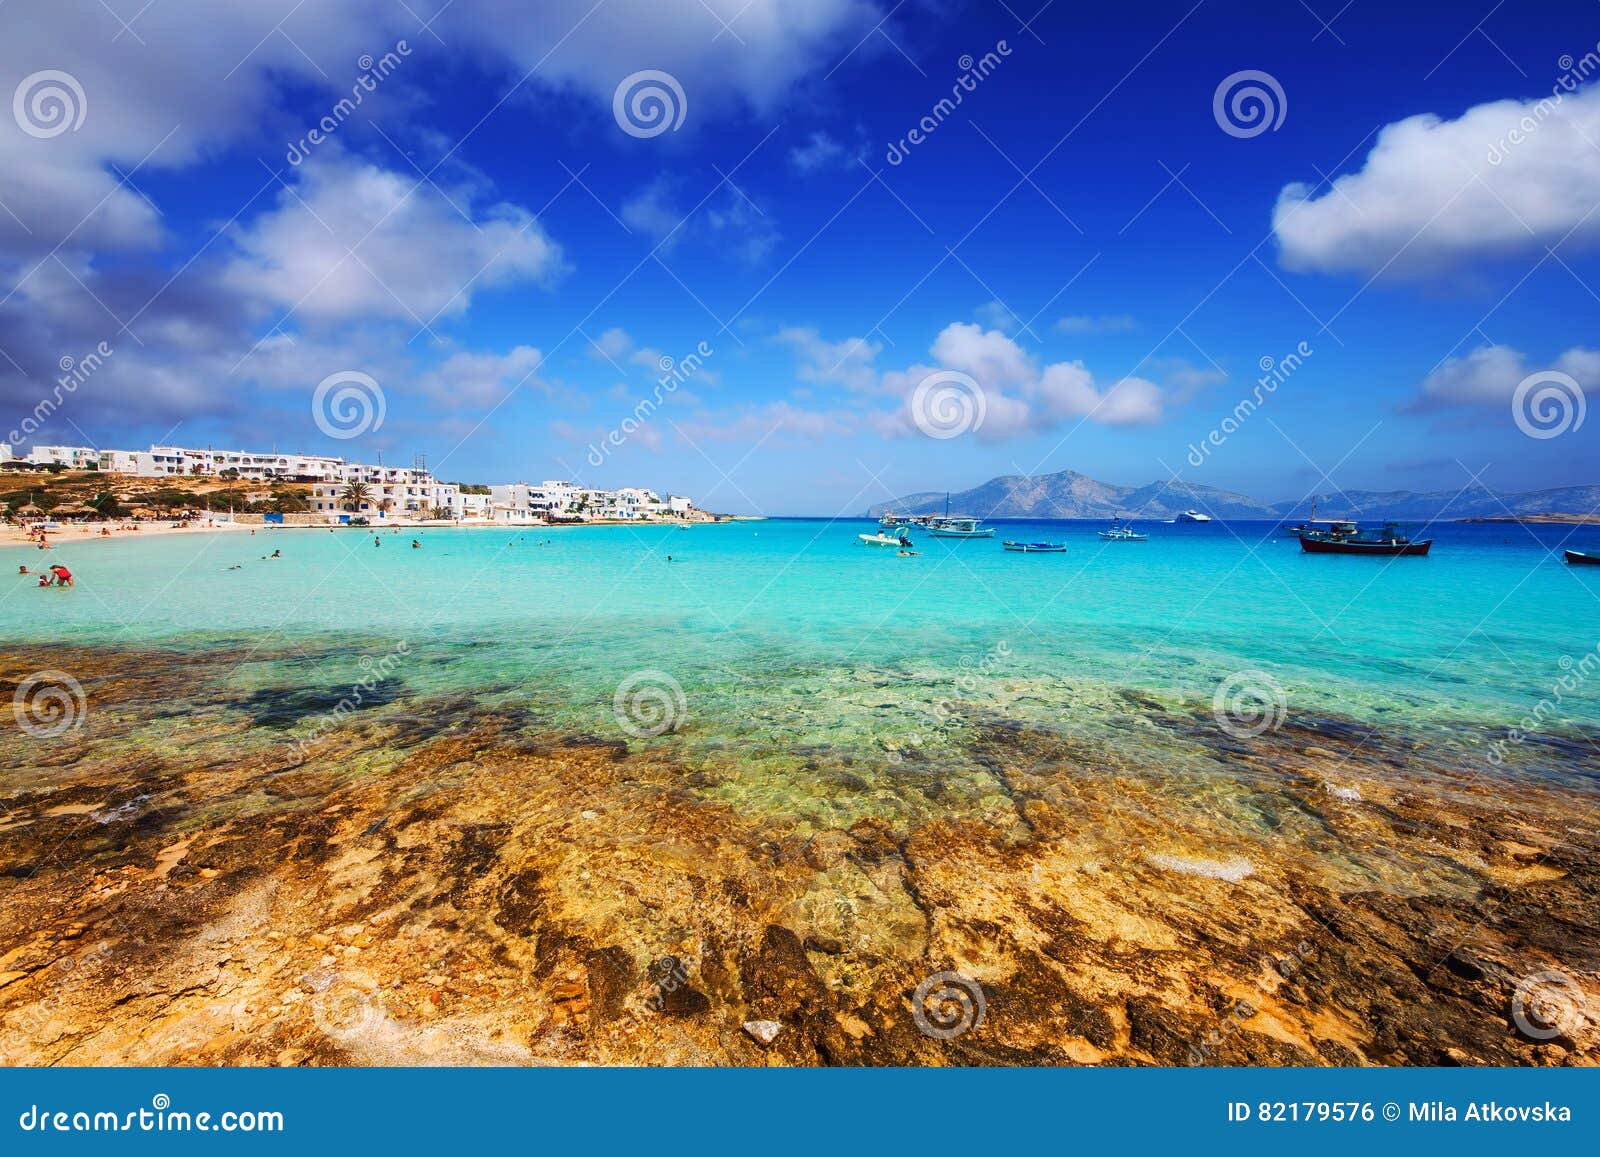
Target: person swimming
(63, 575)
(415, 545)
(23, 570)
(44, 579)
(276, 554)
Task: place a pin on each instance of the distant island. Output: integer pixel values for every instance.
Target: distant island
(1590, 519)
(1068, 494)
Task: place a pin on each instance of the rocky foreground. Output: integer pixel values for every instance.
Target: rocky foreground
(440, 884)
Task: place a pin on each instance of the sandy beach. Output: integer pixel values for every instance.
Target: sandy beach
(91, 531)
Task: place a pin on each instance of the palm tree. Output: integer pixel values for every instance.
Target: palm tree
(355, 493)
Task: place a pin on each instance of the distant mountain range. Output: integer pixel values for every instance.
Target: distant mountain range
(1069, 494)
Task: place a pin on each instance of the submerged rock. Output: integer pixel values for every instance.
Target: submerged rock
(763, 1032)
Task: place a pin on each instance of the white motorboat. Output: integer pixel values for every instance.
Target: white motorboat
(959, 528)
(884, 540)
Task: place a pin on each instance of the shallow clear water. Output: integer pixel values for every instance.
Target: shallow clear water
(789, 639)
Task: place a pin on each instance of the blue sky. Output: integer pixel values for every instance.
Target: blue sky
(1081, 252)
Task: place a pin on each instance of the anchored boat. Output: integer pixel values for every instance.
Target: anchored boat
(1036, 547)
(1582, 558)
(959, 528)
(1389, 542)
(880, 539)
(1123, 532)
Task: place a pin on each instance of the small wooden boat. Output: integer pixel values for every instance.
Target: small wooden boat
(1036, 547)
(1582, 558)
(1390, 542)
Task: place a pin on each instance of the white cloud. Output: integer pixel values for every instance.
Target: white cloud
(480, 380)
(990, 356)
(776, 420)
(1504, 178)
(728, 222)
(847, 363)
(578, 44)
(612, 345)
(352, 240)
(998, 315)
(819, 152)
(1489, 375)
(1104, 323)
(1021, 398)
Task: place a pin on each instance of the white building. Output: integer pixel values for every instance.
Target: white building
(562, 500)
(254, 466)
(413, 498)
(72, 457)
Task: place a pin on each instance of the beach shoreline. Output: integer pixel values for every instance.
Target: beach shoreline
(75, 532)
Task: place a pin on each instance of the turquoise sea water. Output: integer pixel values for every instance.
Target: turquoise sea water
(787, 638)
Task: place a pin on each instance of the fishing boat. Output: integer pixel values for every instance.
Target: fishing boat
(880, 539)
(1036, 547)
(1388, 542)
(1123, 532)
(1192, 516)
(1582, 557)
(1333, 531)
(959, 528)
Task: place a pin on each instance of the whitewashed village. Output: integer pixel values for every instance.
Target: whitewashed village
(312, 490)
